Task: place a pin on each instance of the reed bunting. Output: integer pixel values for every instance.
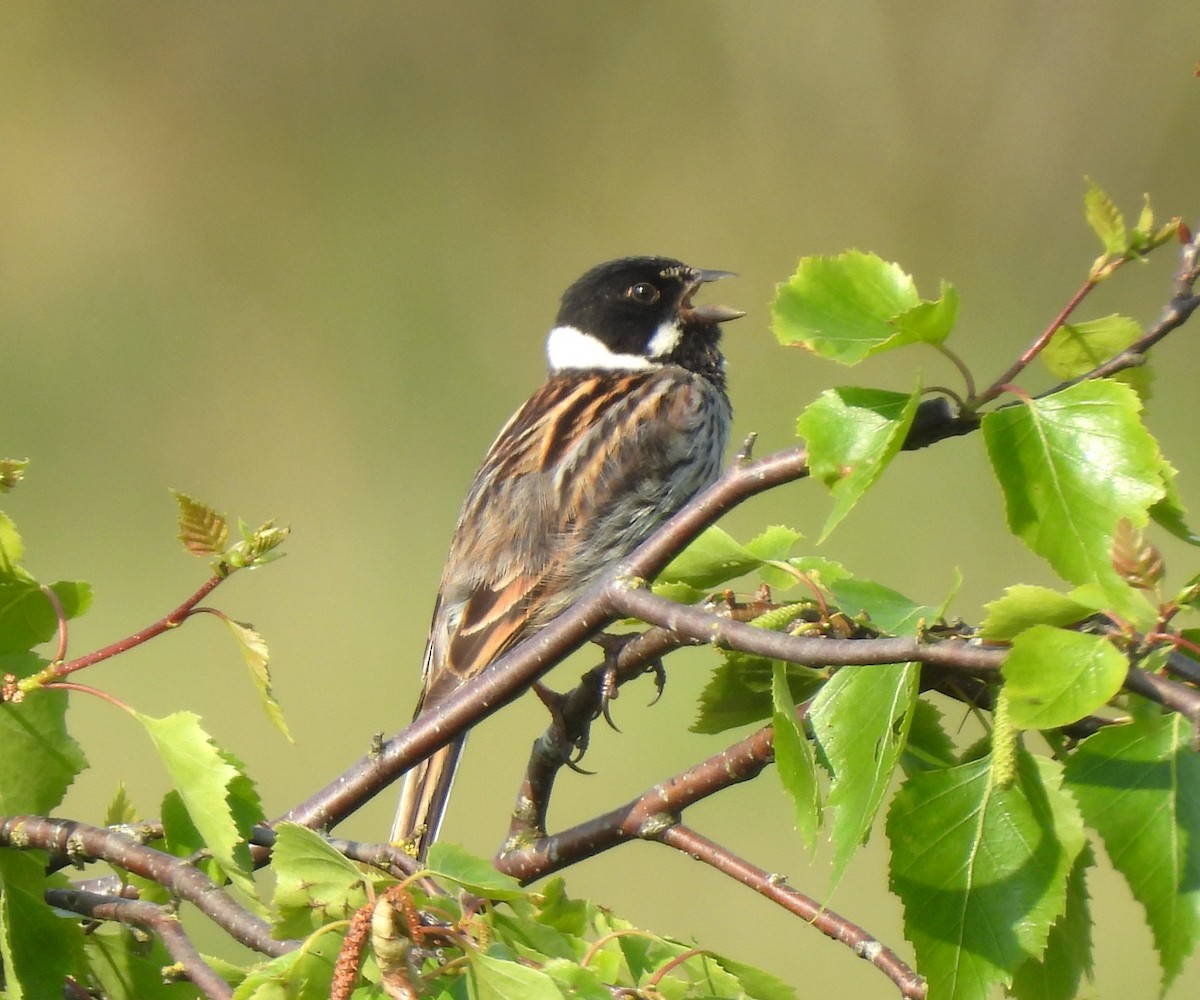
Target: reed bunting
(630, 424)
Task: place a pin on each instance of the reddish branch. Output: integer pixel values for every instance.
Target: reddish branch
(776, 889)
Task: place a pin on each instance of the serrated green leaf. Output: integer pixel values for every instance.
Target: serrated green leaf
(852, 435)
(928, 322)
(794, 760)
(12, 549)
(33, 731)
(887, 610)
(738, 692)
(1071, 466)
(301, 974)
(1068, 956)
(773, 543)
(314, 884)
(129, 967)
(860, 721)
(928, 746)
(756, 983)
(120, 810)
(712, 559)
(1105, 219)
(1138, 786)
(1024, 606)
(502, 979)
(212, 784)
(982, 871)
(202, 530)
(38, 949)
(845, 308)
(1078, 348)
(471, 873)
(12, 471)
(1169, 512)
(575, 981)
(255, 653)
(1054, 677)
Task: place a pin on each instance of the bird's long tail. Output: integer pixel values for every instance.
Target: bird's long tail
(423, 798)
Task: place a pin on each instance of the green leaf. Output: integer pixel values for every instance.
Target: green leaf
(1024, 606)
(887, 610)
(38, 949)
(738, 693)
(982, 871)
(1105, 219)
(471, 873)
(33, 731)
(120, 811)
(929, 745)
(860, 721)
(211, 782)
(713, 558)
(774, 543)
(12, 549)
(1138, 786)
(314, 884)
(1054, 677)
(126, 966)
(794, 760)
(502, 979)
(1169, 512)
(1071, 466)
(12, 471)
(928, 322)
(755, 982)
(852, 435)
(1068, 955)
(1078, 348)
(848, 307)
(302, 974)
(255, 653)
(202, 530)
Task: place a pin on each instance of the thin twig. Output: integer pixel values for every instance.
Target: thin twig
(776, 889)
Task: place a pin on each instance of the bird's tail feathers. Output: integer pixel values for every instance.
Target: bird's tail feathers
(423, 799)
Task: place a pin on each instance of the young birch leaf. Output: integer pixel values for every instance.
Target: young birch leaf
(1078, 348)
(213, 786)
(1071, 466)
(860, 721)
(794, 760)
(886, 609)
(500, 979)
(1169, 512)
(1024, 606)
(121, 810)
(1105, 219)
(202, 530)
(1054, 677)
(473, 874)
(314, 884)
(1068, 955)
(841, 307)
(1138, 786)
(713, 558)
(33, 731)
(973, 923)
(852, 435)
(739, 691)
(38, 948)
(254, 652)
(928, 322)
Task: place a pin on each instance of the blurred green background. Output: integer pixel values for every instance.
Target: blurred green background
(297, 260)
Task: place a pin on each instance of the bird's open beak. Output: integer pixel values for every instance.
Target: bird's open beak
(710, 312)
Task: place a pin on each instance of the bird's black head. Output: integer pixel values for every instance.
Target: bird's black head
(637, 312)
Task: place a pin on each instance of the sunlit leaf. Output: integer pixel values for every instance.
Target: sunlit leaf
(1053, 677)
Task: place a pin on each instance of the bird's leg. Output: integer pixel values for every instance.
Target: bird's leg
(611, 671)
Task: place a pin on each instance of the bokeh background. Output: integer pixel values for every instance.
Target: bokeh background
(297, 259)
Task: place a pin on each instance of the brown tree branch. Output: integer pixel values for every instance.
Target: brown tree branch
(81, 842)
(156, 919)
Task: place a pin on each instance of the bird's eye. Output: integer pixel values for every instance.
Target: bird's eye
(643, 292)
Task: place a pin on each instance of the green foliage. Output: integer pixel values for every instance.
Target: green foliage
(990, 845)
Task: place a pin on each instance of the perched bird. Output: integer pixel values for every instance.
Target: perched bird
(630, 424)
